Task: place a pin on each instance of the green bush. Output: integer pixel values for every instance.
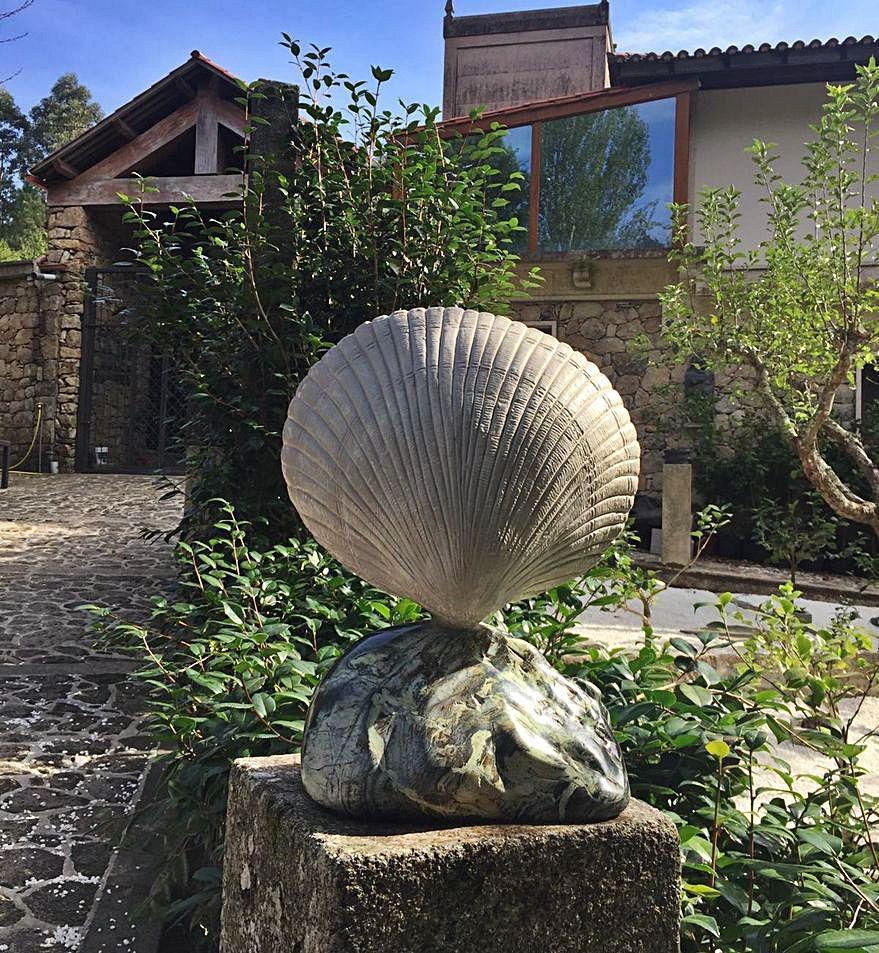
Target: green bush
(770, 861)
(231, 666)
(358, 212)
(778, 517)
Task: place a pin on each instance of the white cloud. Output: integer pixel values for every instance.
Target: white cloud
(724, 23)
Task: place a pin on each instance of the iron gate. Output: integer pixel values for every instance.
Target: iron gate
(131, 404)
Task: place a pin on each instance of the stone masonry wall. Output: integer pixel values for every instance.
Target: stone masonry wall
(28, 359)
(607, 331)
(41, 310)
(77, 241)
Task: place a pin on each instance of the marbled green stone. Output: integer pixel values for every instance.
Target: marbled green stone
(430, 721)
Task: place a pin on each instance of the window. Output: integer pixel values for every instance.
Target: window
(548, 327)
(600, 169)
(607, 178)
(516, 157)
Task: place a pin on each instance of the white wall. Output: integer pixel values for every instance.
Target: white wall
(726, 121)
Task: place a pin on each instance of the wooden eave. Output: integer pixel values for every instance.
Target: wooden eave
(131, 121)
(563, 107)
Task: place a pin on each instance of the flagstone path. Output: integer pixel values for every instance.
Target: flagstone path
(72, 755)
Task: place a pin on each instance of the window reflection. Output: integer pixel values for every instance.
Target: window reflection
(514, 155)
(606, 179)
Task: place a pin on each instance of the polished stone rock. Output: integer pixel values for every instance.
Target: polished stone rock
(297, 877)
(430, 721)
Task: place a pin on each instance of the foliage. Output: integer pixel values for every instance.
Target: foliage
(770, 859)
(12, 128)
(796, 532)
(232, 664)
(62, 115)
(749, 467)
(798, 310)
(360, 213)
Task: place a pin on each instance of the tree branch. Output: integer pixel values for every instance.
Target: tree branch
(841, 499)
(856, 452)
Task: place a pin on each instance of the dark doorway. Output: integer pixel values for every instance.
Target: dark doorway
(131, 404)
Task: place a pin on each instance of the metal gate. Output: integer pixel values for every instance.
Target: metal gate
(131, 404)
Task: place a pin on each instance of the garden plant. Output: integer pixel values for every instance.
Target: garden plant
(797, 312)
(773, 862)
(378, 212)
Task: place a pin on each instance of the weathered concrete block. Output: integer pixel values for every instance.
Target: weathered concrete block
(677, 513)
(298, 878)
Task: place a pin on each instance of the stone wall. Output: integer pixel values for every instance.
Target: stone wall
(28, 358)
(41, 309)
(79, 239)
(608, 308)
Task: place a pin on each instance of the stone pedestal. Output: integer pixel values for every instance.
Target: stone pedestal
(300, 879)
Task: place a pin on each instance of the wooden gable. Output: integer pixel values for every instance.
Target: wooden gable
(181, 134)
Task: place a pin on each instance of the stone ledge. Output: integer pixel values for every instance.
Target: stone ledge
(299, 878)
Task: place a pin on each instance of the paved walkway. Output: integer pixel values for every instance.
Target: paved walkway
(72, 757)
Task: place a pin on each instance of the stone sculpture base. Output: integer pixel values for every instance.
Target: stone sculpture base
(298, 878)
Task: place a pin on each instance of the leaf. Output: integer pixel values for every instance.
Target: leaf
(263, 704)
(832, 940)
(696, 694)
(826, 843)
(718, 749)
(706, 923)
(701, 890)
(232, 614)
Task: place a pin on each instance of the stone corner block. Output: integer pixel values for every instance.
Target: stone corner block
(299, 878)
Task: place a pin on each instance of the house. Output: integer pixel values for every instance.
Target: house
(606, 140)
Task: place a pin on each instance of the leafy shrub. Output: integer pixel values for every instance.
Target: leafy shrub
(770, 860)
(231, 666)
(358, 212)
(778, 517)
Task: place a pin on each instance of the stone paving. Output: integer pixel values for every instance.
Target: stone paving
(72, 756)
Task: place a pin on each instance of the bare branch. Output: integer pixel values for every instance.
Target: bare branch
(6, 14)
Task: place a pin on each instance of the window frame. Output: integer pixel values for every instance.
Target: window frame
(548, 326)
(535, 114)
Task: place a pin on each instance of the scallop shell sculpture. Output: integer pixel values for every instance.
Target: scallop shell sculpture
(460, 459)
(465, 461)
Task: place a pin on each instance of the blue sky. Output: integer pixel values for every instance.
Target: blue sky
(118, 47)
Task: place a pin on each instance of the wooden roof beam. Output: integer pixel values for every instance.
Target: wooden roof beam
(186, 87)
(124, 129)
(168, 190)
(144, 145)
(64, 168)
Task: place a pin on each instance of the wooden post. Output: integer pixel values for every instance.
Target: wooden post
(206, 138)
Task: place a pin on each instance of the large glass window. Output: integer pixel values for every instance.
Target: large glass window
(606, 179)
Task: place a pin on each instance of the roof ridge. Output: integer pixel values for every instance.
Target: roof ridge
(780, 47)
